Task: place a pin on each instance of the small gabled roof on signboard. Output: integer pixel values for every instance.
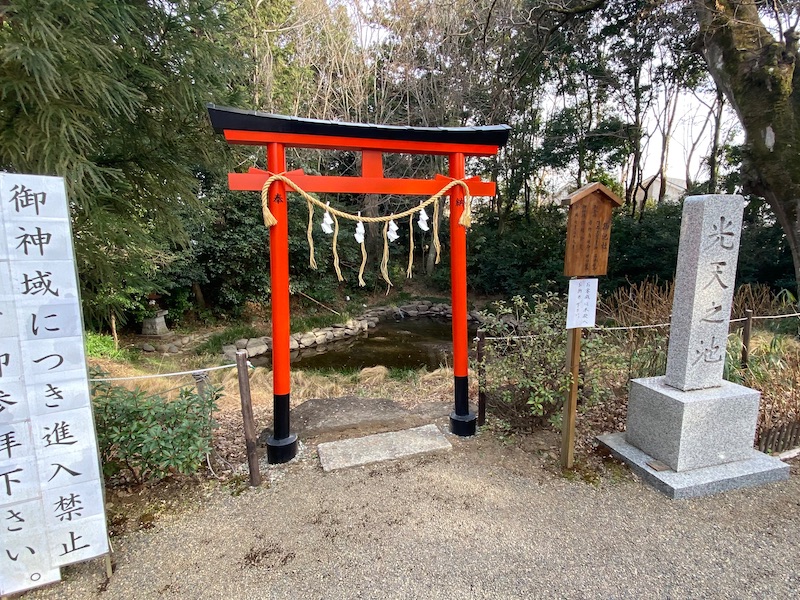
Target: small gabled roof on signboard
(589, 189)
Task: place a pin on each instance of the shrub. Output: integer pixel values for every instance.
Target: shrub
(147, 437)
(517, 256)
(99, 345)
(526, 376)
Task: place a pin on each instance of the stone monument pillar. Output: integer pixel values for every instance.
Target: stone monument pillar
(690, 433)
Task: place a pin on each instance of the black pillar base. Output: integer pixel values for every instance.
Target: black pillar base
(463, 425)
(281, 451)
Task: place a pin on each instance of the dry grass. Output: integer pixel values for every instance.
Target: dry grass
(412, 389)
(373, 382)
(774, 370)
(648, 303)
(644, 303)
(373, 375)
(761, 300)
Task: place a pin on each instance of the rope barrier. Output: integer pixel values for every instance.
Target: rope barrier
(488, 338)
(206, 370)
(777, 316)
(632, 327)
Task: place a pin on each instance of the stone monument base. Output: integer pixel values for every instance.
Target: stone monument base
(693, 429)
(756, 470)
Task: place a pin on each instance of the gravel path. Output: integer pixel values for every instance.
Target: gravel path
(482, 521)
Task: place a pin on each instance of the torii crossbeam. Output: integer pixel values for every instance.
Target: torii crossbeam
(278, 132)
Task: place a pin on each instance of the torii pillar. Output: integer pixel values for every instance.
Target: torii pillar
(278, 132)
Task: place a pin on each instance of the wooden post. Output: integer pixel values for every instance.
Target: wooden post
(247, 417)
(481, 377)
(586, 255)
(571, 401)
(746, 334)
(201, 381)
(109, 563)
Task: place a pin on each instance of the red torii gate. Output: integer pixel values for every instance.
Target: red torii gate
(278, 132)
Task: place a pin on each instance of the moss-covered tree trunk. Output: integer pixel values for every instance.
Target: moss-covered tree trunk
(756, 73)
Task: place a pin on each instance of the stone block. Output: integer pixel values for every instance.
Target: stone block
(256, 347)
(754, 470)
(155, 325)
(704, 281)
(381, 446)
(690, 430)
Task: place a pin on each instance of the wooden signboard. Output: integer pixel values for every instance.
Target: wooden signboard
(588, 236)
(589, 230)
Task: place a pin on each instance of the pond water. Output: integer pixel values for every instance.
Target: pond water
(405, 344)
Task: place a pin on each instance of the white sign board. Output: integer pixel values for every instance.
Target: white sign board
(51, 495)
(582, 304)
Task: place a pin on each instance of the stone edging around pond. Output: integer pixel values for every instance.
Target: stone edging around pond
(353, 327)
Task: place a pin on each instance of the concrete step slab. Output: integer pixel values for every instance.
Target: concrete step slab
(381, 446)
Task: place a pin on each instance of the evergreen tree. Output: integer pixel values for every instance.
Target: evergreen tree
(110, 94)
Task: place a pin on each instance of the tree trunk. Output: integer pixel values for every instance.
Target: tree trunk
(713, 159)
(756, 73)
(199, 299)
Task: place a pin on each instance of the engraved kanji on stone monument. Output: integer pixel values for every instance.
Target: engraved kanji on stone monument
(704, 284)
(690, 433)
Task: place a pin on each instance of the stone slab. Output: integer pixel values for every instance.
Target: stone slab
(381, 446)
(694, 429)
(356, 416)
(708, 251)
(757, 469)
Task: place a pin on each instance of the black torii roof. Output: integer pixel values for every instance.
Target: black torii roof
(223, 117)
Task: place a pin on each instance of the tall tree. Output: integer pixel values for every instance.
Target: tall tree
(751, 48)
(111, 95)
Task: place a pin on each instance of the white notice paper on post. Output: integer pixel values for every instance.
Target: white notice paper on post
(582, 305)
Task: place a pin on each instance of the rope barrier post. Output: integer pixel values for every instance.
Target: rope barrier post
(282, 445)
(462, 421)
(481, 377)
(201, 381)
(247, 418)
(746, 333)
(571, 403)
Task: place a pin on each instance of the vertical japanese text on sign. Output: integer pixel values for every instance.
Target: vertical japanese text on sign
(51, 498)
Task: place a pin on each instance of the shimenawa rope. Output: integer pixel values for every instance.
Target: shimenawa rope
(271, 221)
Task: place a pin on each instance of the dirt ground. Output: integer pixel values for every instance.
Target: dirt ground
(492, 518)
(489, 519)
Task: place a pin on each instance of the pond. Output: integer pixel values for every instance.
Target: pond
(405, 344)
